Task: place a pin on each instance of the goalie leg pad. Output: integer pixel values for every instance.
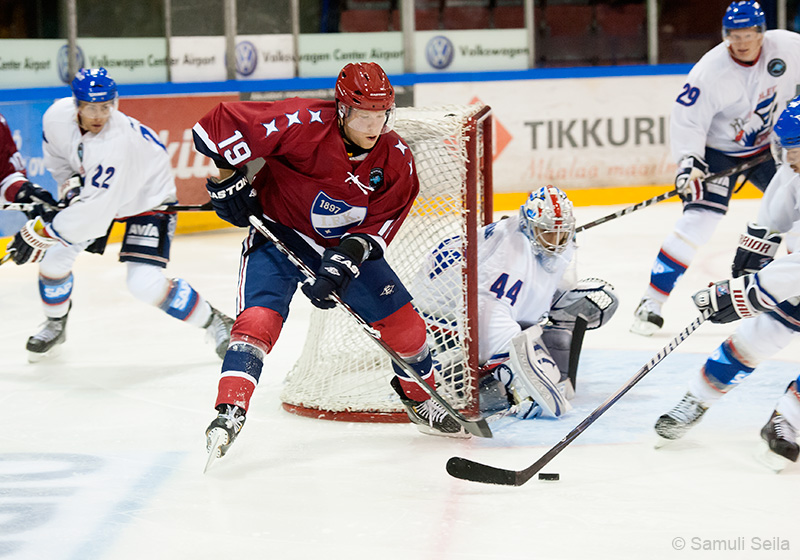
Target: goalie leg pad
(536, 373)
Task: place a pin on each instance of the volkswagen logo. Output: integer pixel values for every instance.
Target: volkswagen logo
(246, 58)
(62, 61)
(439, 51)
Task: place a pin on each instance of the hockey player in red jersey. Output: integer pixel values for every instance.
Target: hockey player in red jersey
(336, 185)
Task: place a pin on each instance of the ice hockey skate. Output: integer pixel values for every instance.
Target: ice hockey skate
(218, 329)
(47, 342)
(429, 416)
(779, 443)
(647, 318)
(675, 423)
(222, 432)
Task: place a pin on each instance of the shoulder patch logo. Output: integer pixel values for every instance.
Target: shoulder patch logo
(776, 67)
(376, 178)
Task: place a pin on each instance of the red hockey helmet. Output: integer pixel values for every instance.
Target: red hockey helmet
(364, 85)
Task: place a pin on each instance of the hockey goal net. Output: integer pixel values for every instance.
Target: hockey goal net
(342, 374)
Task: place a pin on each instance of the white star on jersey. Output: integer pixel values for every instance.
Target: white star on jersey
(315, 117)
(293, 118)
(270, 126)
(402, 147)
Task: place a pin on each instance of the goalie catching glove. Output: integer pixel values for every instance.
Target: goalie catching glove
(756, 250)
(234, 198)
(338, 268)
(689, 179)
(731, 300)
(30, 243)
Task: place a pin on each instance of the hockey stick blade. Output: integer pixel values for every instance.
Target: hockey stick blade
(29, 206)
(466, 469)
(733, 171)
(479, 427)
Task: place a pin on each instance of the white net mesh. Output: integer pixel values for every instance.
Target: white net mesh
(340, 368)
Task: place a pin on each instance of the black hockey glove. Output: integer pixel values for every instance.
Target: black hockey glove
(337, 270)
(689, 179)
(756, 250)
(234, 199)
(30, 244)
(731, 300)
(45, 204)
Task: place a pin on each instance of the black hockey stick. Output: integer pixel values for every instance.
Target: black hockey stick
(478, 472)
(29, 206)
(735, 170)
(477, 427)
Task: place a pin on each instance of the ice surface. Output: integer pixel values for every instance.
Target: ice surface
(102, 449)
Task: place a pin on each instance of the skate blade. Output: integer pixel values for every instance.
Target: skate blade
(36, 357)
(214, 449)
(427, 430)
(662, 442)
(770, 459)
(644, 328)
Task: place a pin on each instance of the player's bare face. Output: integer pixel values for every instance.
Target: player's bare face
(94, 116)
(363, 128)
(745, 44)
(793, 159)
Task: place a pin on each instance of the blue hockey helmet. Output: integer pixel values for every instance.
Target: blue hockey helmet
(743, 15)
(93, 85)
(547, 221)
(787, 128)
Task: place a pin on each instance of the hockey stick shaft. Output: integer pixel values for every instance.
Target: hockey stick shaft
(479, 427)
(27, 207)
(735, 170)
(478, 472)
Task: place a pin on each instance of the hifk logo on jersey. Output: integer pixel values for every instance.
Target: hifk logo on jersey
(332, 218)
(753, 131)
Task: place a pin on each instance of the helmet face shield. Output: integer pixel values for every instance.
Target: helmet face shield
(787, 133)
(547, 220)
(97, 110)
(367, 122)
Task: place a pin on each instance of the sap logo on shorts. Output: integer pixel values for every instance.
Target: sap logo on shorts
(776, 67)
(246, 58)
(332, 218)
(62, 62)
(439, 51)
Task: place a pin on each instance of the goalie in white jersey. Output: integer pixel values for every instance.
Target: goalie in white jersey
(722, 117)
(766, 293)
(528, 304)
(111, 167)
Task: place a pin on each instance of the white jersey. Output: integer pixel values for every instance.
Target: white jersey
(125, 169)
(780, 212)
(516, 287)
(731, 107)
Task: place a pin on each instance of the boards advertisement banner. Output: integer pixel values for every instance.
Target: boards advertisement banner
(575, 133)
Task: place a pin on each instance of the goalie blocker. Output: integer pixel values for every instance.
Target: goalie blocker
(543, 359)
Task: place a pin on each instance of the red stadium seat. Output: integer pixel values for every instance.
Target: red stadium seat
(622, 33)
(352, 21)
(569, 36)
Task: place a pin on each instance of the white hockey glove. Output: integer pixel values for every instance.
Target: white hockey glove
(30, 243)
(756, 250)
(689, 179)
(593, 299)
(731, 300)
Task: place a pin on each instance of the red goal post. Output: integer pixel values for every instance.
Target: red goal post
(341, 374)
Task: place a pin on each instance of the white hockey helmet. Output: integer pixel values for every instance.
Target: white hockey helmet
(546, 219)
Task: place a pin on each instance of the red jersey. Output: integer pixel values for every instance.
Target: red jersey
(308, 181)
(12, 167)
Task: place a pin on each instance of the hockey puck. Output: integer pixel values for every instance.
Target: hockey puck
(549, 476)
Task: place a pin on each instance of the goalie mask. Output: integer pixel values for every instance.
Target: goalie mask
(547, 221)
(363, 90)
